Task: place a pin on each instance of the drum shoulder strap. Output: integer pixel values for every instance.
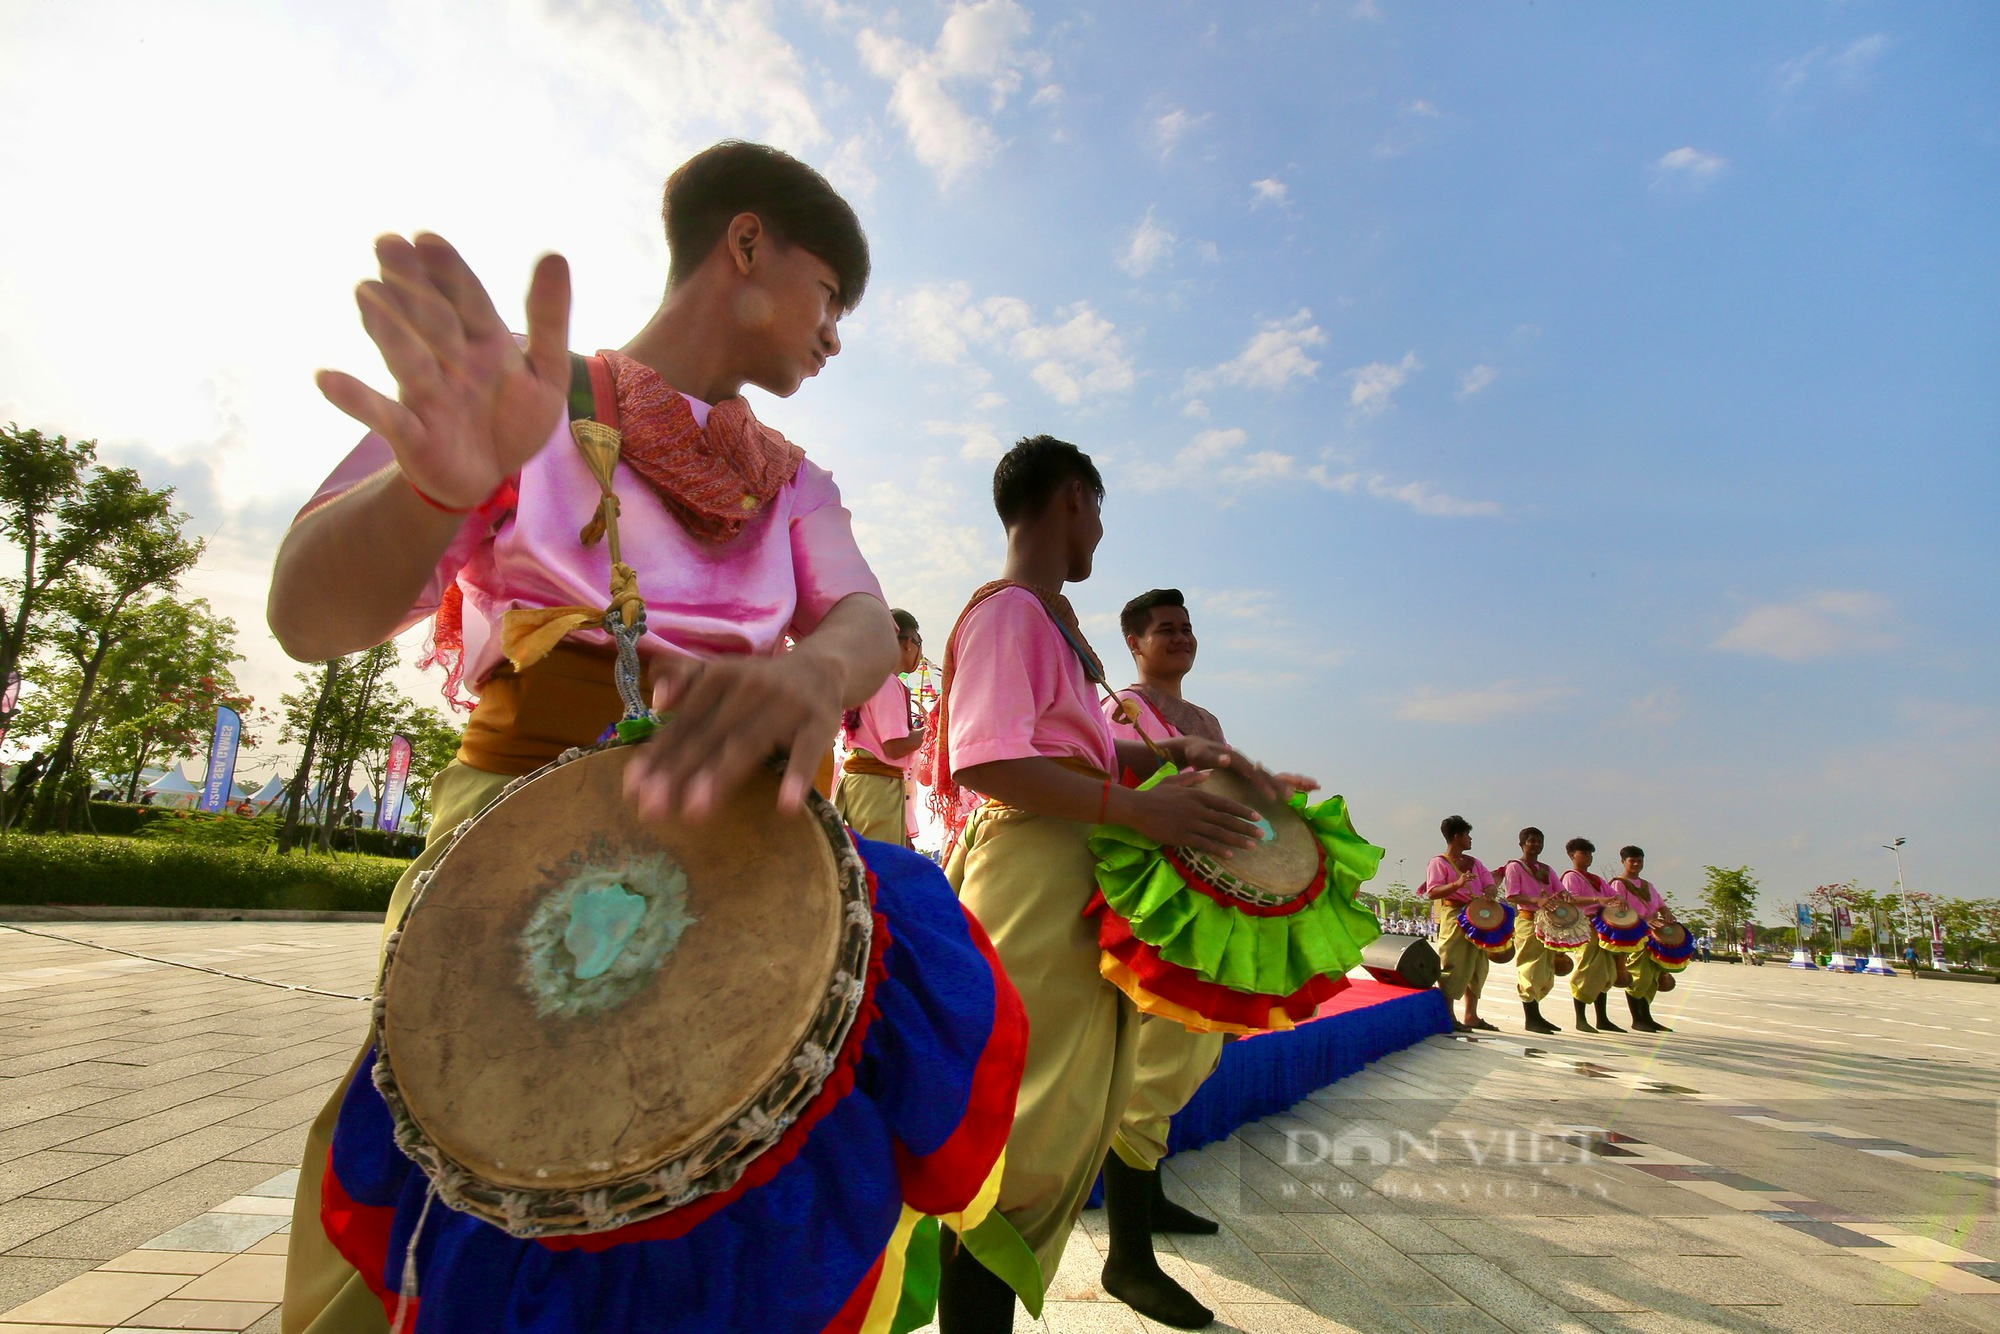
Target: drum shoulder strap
(593, 395)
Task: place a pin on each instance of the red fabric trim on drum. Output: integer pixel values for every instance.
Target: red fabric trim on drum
(1171, 982)
(679, 1222)
(360, 1232)
(946, 1179)
(1195, 882)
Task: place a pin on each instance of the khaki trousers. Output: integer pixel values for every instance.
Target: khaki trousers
(1593, 972)
(1534, 962)
(1646, 975)
(1172, 1065)
(323, 1293)
(1026, 878)
(1465, 965)
(872, 805)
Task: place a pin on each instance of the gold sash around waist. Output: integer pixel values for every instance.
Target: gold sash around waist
(526, 719)
(861, 762)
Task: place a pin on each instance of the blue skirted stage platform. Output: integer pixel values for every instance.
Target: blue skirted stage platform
(1260, 1075)
(1271, 1071)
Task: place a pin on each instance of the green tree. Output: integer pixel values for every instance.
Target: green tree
(61, 514)
(94, 608)
(303, 718)
(433, 745)
(163, 685)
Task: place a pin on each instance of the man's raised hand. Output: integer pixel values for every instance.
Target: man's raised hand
(472, 405)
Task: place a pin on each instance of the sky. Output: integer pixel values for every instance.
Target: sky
(1571, 414)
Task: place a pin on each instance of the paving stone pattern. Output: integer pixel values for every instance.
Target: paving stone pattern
(1806, 1152)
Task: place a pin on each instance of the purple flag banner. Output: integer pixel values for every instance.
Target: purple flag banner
(8, 699)
(389, 807)
(221, 759)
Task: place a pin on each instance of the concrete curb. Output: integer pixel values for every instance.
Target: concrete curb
(64, 912)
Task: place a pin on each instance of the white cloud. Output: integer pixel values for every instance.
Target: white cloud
(1214, 458)
(1823, 625)
(1195, 408)
(978, 50)
(1419, 496)
(1852, 67)
(1428, 110)
(1169, 128)
(1687, 169)
(1240, 604)
(1151, 245)
(1476, 379)
(1274, 356)
(1048, 95)
(977, 441)
(1375, 384)
(850, 169)
(1270, 190)
(1078, 355)
(1656, 709)
(1503, 699)
(926, 557)
(1364, 9)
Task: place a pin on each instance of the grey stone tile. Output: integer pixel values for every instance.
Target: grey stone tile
(1499, 1294)
(35, 1171)
(1385, 1271)
(113, 1229)
(132, 1173)
(130, 1136)
(23, 1277)
(1331, 1290)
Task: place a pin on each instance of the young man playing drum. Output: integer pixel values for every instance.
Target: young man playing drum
(1019, 722)
(473, 497)
(1172, 1061)
(882, 737)
(1633, 888)
(1597, 967)
(1455, 878)
(1528, 883)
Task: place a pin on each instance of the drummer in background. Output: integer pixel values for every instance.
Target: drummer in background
(1527, 883)
(1597, 967)
(1173, 1062)
(466, 499)
(882, 737)
(1454, 879)
(1019, 721)
(1651, 905)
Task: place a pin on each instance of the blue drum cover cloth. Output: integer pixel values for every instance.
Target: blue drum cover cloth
(797, 1255)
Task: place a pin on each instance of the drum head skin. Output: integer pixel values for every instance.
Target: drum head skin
(578, 995)
(1670, 934)
(1287, 860)
(1486, 914)
(1565, 914)
(1620, 915)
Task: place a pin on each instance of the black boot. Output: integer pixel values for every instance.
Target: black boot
(1537, 1024)
(971, 1298)
(1171, 1217)
(1604, 1024)
(1582, 1016)
(1132, 1273)
(1642, 1015)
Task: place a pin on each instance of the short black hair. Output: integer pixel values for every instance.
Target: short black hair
(791, 199)
(1454, 825)
(1579, 845)
(1522, 837)
(906, 624)
(1029, 475)
(1138, 613)
(1632, 850)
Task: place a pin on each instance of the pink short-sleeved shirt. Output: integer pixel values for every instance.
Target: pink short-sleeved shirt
(779, 576)
(1584, 888)
(1442, 872)
(1645, 900)
(1522, 889)
(885, 717)
(1018, 690)
(1153, 722)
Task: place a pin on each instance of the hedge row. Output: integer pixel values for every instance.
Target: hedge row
(127, 873)
(116, 817)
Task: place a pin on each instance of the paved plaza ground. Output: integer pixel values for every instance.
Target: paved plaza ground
(1806, 1152)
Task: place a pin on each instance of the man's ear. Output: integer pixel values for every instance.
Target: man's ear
(1132, 645)
(744, 235)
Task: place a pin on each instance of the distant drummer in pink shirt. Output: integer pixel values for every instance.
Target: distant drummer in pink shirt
(882, 738)
(1528, 882)
(1454, 878)
(1631, 887)
(1596, 968)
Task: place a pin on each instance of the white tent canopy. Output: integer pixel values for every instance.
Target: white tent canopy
(172, 788)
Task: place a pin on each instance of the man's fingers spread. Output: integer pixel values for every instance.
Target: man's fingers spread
(548, 319)
(455, 278)
(406, 354)
(378, 412)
